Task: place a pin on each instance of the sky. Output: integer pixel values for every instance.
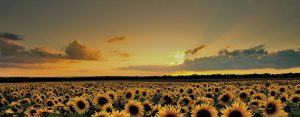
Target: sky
(154, 37)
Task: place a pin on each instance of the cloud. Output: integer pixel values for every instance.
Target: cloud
(116, 39)
(76, 50)
(13, 54)
(43, 52)
(121, 53)
(252, 58)
(193, 53)
(10, 36)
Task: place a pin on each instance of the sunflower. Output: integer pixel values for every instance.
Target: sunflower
(59, 99)
(184, 101)
(200, 100)
(209, 95)
(225, 98)
(101, 100)
(30, 112)
(44, 112)
(137, 91)
(204, 110)
(108, 108)
(297, 91)
(147, 106)
(71, 106)
(183, 110)
(258, 96)
(180, 90)
(273, 93)
(101, 114)
(49, 103)
(120, 114)
(167, 99)
(81, 105)
(272, 108)
(129, 95)
(155, 110)
(237, 109)
(254, 104)
(112, 95)
(243, 95)
(135, 108)
(144, 93)
(282, 89)
(295, 98)
(169, 111)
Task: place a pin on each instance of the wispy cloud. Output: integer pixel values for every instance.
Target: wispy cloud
(193, 53)
(121, 53)
(116, 39)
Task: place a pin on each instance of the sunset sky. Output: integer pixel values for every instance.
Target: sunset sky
(148, 37)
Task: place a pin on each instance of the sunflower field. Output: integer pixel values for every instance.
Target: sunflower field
(265, 98)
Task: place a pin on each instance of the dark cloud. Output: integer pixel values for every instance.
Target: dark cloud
(116, 39)
(193, 53)
(43, 52)
(12, 54)
(10, 48)
(76, 50)
(10, 36)
(253, 58)
(121, 53)
(255, 50)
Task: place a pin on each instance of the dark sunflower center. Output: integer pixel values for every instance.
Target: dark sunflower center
(282, 89)
(111, 96)
(102, 101)
(167, 99)
(243, 95)
(192, 96)
(297, 92)
(154, 113)
(144, 93)
(109, 110)
(181, 90)
(185, 101)
(171, 115)
(189, 91)
(50, 103)
(133, 110)
(254, 103)
(128, 95)
(208, 96)
(258, 97)
(14, 109)
(295, 99)
(147, 107)
(81, 104)
(217, 90)
(283, 99)
(203, 113)
(225, 98)
(72, 109)
(273, 93)
(235, 114)
(32, 112)
(271, 108)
